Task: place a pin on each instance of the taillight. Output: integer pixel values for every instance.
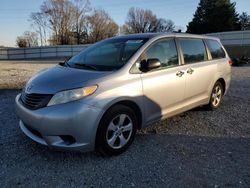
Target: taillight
(230, 62)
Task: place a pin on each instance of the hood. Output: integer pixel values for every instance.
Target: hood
(59, 78)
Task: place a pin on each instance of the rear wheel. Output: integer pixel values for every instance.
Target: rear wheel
(117, 130)
(216, 96)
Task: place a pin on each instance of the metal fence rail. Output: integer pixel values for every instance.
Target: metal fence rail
(41, 52)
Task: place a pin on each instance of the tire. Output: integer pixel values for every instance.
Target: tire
(216, 96)
(116, 130)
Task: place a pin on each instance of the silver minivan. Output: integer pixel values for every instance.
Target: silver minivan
(100, 97)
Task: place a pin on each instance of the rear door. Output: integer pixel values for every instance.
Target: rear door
(199, 69)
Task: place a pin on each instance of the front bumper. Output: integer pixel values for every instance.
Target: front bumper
(70, 126)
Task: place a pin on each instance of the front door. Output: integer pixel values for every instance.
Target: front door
(164, 87)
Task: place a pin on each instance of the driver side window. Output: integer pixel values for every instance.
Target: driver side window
(165, 51)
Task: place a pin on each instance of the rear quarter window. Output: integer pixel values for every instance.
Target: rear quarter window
(215, 49)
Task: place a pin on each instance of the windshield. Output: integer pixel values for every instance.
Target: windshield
(107, 55)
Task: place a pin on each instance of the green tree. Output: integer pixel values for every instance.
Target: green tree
(244, 21)
(214, 16)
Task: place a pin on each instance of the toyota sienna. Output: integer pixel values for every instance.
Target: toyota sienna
(97, 99)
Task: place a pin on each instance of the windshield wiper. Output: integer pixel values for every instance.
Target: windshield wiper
(86, 65)
(65, 62)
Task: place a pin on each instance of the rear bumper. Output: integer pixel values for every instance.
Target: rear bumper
(70, 126)
(228, 81)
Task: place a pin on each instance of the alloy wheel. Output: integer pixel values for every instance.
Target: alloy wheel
(119, 131)
(216, 96)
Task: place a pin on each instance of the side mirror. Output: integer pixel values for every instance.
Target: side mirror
(149, 64)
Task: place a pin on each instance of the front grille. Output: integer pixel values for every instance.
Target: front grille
(34, 101)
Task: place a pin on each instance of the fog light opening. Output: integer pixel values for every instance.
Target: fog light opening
(68, 139)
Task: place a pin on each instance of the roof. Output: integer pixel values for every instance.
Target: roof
(169, 34)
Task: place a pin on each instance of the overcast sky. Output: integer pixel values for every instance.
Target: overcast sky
(14, 14)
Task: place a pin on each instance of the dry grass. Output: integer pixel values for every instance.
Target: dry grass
(14, 74)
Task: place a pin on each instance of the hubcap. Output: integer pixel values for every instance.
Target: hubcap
(216, 96)
(119, 131)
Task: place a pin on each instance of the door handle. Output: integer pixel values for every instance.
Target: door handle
(179, 73)
(190, 71)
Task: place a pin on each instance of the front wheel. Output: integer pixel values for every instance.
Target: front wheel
(116, 131)
(216, 96)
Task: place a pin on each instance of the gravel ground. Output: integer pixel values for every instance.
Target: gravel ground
(195, 149)
(14, 74)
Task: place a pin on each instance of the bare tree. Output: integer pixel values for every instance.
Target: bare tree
(143, 21)
(164, 25)
(100, 26)
(40, 22)
(28, 39)
(60, 15)
(31, 38)
(21, 42)
(82, 7)
(72, 23)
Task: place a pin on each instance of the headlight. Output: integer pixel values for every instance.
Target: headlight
(71, 95)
